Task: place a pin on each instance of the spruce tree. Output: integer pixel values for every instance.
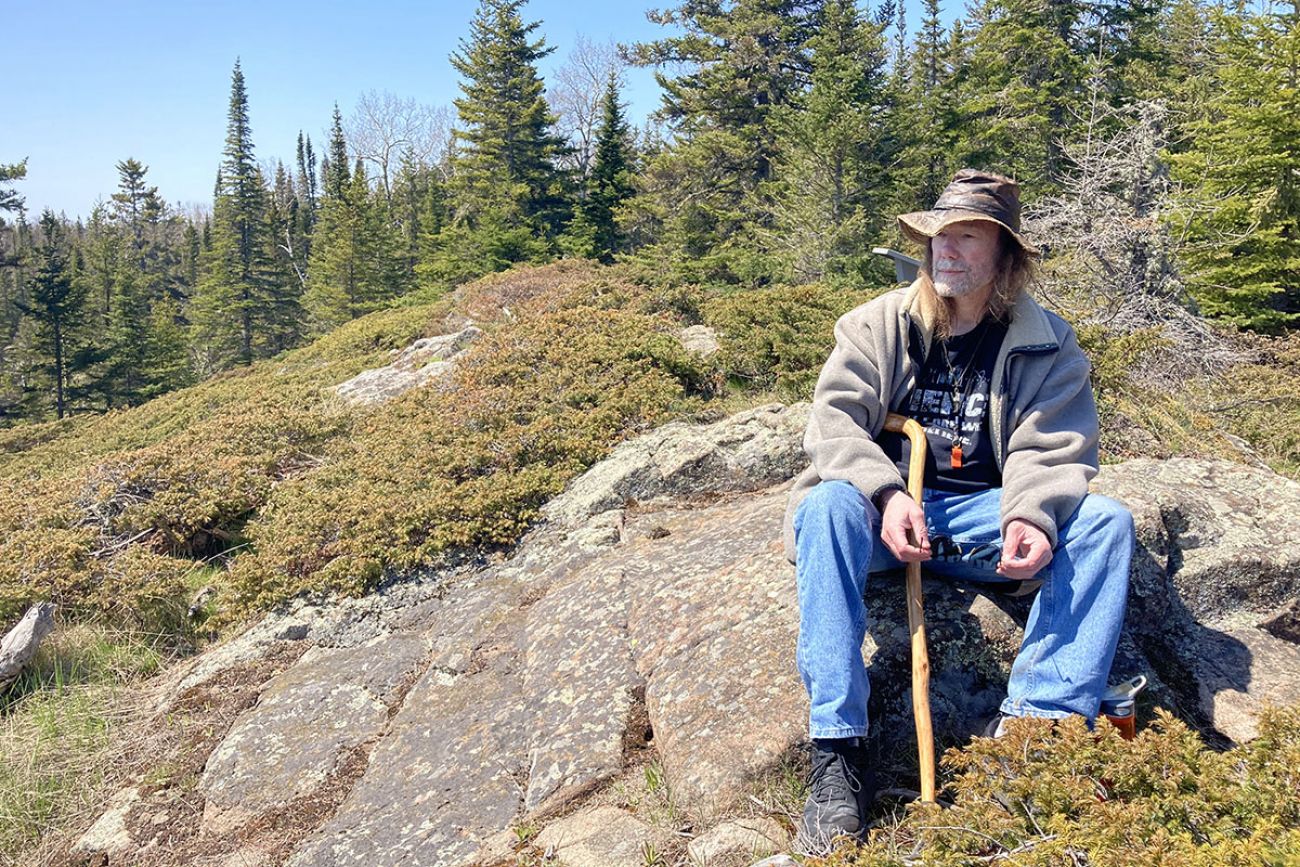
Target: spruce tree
(357, 261)
(102, 251)
(596, 233)
(240, 295)
(15, 253)
(508, 197)
(1126, 47)
(697, 198)
(393, 276)
(306, 188)
(135, 204)
(926, 118)
(10, 200)
(136, 281)
(828, 179)
(55, 303)
(336, 165)
(1188, 79)
(287, 267)
(191, 247)
(419, 209)
(98, 265)
(505, 132)
(900, 37)
(168, 361)
(245, 215)
(1023, 76)
(134, 353)
(127, 343)
(213, 309)
(1242, 175)
(333, 281)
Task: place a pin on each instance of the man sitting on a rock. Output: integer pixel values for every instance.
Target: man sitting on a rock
(1001, 387)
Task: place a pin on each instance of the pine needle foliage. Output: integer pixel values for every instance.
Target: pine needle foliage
(777, 339)
(1242, 199)
(1060, 794)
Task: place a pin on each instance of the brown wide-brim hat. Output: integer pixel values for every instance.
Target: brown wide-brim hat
(972, 195)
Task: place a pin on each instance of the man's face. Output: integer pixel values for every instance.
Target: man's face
(965, 257)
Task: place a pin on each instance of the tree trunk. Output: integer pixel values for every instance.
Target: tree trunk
(58, 368)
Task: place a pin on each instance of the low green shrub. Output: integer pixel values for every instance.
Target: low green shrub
(106, 515)
(777, 339)
(469, 463)
(265, 469)
(1047, 795)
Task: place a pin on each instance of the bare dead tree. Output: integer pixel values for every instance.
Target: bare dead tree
(441, 131)
(383, 126)
(1111, 252)
(576, 93)
(294, 257)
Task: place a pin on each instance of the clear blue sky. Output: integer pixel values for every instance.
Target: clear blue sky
(92, 83)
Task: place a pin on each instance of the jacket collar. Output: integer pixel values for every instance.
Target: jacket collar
(1030, 329)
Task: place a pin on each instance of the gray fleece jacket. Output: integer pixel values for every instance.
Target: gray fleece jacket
(1042, 417)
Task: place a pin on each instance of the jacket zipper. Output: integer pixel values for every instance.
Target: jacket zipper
(997, 401)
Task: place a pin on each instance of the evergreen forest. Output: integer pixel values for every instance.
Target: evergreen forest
(789, 135)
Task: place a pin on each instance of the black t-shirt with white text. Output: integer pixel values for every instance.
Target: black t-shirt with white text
(957, 373)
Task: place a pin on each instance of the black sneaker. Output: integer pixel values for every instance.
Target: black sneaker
(842, 788)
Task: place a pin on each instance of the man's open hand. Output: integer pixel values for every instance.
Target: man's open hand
(1025, 550)
(900, 513)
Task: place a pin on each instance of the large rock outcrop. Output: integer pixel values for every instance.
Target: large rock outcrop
(653, 614)
(1215, 571)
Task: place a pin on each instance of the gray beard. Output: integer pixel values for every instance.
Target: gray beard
(959, 291)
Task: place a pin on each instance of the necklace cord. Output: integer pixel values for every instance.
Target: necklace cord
(959, 384)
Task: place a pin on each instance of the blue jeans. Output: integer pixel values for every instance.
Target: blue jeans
(1070, 636)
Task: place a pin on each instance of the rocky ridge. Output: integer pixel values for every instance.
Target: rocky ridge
(467, 713)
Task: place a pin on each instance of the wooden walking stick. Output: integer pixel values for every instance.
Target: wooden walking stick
(915, 616)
